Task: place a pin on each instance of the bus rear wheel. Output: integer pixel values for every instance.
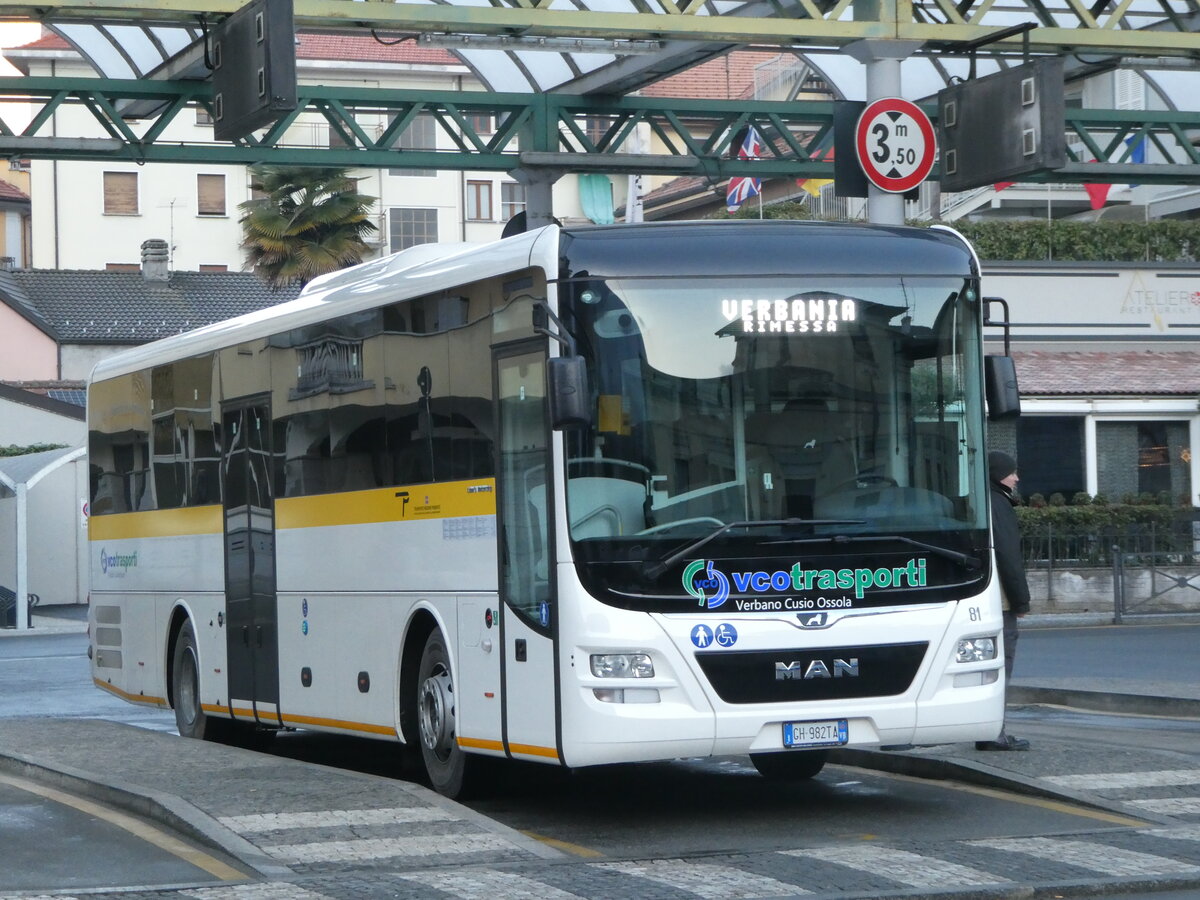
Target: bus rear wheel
(447, 766)
(790, 765)
(190, 718)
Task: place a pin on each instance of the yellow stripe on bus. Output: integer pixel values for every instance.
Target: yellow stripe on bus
(125, 695)
(339, 723)
(523, 749)
(156, 523)
(405, 503)
(480, 744)
(411, 503)
(530, 750)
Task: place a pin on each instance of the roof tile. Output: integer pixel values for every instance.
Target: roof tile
(1107, 372)
(84, 307)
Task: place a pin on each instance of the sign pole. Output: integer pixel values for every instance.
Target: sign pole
(883, 80)
(882, 59)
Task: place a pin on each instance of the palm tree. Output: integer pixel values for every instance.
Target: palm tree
(303, 222)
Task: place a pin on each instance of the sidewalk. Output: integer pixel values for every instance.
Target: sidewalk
(49, 619)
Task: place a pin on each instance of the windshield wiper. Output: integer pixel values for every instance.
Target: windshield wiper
(963, 558)
(654, 570)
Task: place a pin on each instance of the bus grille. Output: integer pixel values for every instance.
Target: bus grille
(823, 673)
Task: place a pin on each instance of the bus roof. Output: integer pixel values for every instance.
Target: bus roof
(411, 273)
(701, 249)
(778, 247)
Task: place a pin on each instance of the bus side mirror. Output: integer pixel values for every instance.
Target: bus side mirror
(1000, 386)
(566, 378)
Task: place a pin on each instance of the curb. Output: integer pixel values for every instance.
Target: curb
(1055, 890)
(935, 769)
(166, 809)
(1100, 701)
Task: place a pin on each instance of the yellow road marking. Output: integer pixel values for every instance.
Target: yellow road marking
(139, 829)
(1042, 802)
(565, 846)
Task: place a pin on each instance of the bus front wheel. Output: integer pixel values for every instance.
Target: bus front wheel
(190, 718)
(789, 765)
(445, 762)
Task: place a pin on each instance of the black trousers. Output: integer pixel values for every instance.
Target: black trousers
(1011, 633)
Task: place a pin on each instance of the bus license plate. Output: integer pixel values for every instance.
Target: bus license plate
(829, 733)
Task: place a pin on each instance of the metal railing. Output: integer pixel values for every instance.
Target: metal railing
(1054, 549)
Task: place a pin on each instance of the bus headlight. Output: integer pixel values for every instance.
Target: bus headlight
(622, 665)
(972, 650)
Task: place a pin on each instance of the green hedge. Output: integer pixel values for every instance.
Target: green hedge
(1071, 536)
(14, 450)
(1114, 518)
(1165, 240)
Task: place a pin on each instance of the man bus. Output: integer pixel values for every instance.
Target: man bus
(579, 496)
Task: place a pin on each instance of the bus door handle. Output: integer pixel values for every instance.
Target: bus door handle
(246, 635)
(258, 635)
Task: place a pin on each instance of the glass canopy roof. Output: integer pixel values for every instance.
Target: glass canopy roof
(504, 64)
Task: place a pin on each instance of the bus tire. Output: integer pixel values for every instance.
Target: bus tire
(790, 765)
(447, 766)
(190, 718)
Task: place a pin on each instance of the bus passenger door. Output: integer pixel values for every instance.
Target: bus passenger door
(251, 626)
(529, 623)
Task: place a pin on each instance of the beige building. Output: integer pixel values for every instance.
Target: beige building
(95, 215)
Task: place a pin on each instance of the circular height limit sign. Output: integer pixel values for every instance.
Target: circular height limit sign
(895, 144)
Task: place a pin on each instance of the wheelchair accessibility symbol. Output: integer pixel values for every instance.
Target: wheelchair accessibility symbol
(726, 635)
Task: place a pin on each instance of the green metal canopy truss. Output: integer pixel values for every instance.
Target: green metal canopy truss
(1124, 26)
(576, 133)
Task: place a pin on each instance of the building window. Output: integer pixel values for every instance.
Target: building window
(1050, 454)
(482, 123)
(597, 127)
(409, 227)
(479, 201)
(120, 194)
(512, 199)
(210, 195)
(421, 134)
(1144, 459)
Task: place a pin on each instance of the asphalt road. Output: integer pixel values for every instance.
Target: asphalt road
(1127, 658)
(719, 811)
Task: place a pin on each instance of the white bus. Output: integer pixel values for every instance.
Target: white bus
(579, 496)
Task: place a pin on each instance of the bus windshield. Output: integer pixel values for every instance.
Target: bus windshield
(778, 424)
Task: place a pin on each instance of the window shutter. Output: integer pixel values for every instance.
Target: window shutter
(210, 194)
(120, 194)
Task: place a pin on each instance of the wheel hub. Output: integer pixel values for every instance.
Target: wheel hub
(437, 712)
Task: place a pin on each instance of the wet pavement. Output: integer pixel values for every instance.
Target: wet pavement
(310, 831)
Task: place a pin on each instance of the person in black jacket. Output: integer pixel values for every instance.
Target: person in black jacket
(1010, 569)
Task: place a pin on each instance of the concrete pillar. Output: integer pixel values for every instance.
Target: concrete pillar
(539, 194)
(22, 556)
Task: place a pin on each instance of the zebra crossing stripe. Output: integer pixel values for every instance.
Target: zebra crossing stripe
(1095, 857)
(1118, 780)
(383, 848)
(488, 885)
(257, 824)
(706, 880)
(900, 865)
(271, 890)
(1182, 833)
(1171, 806)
